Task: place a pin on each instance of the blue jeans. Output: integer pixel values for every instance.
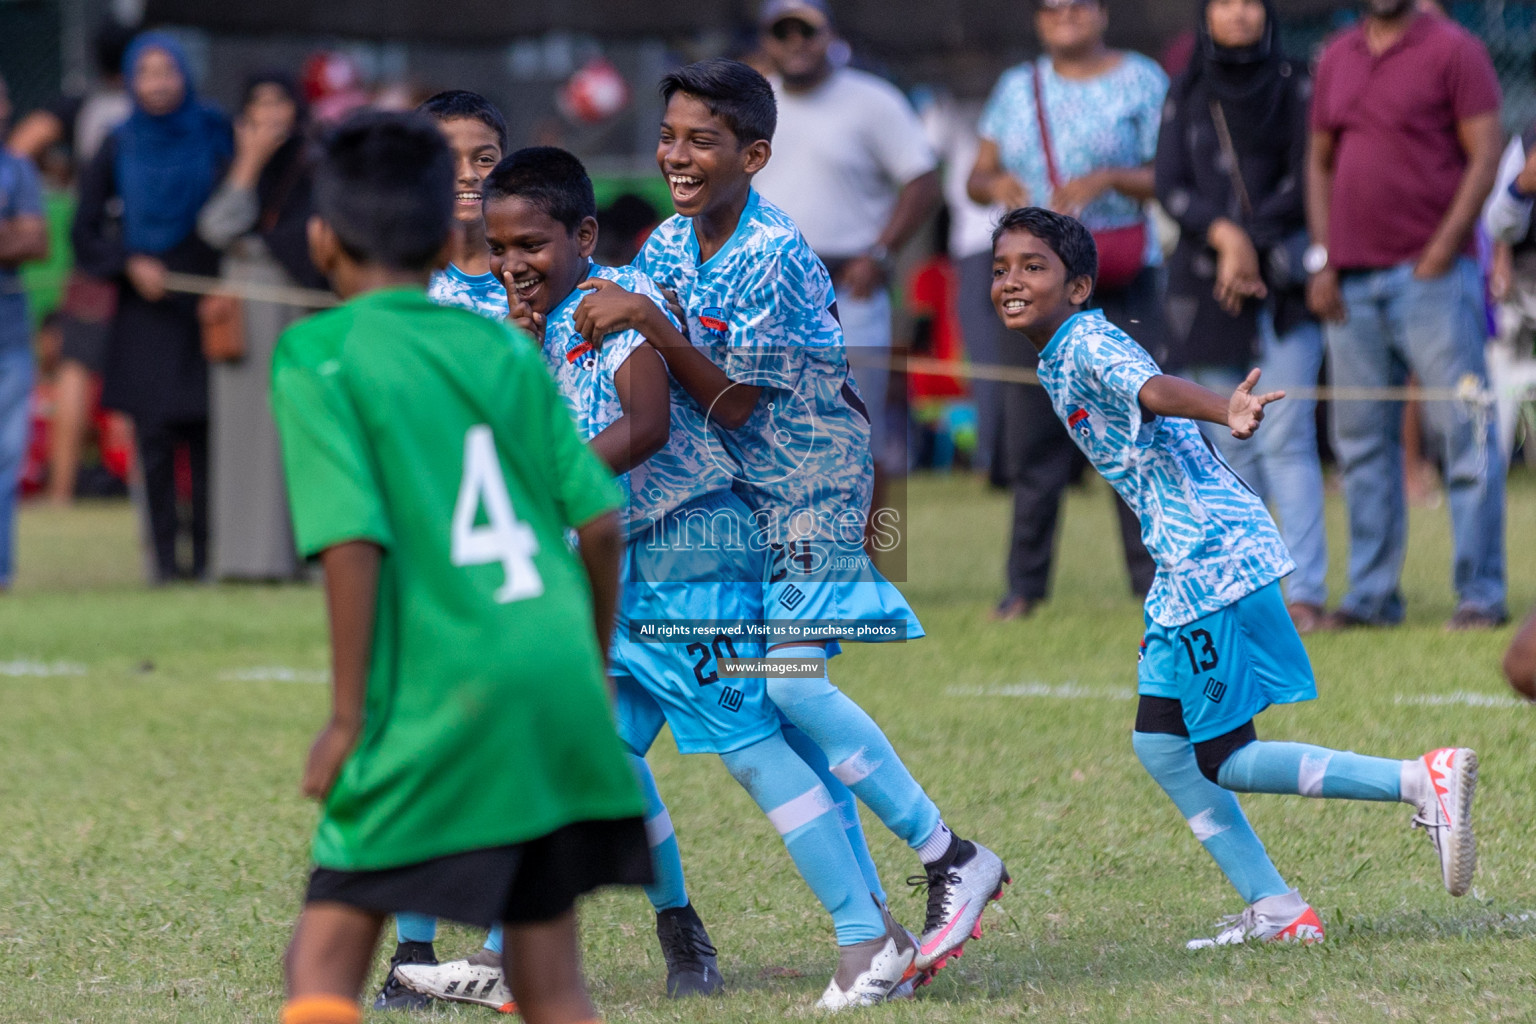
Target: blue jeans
(1281, 462)
(1435, 329)
(15, 395)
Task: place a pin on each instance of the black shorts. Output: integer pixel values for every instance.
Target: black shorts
(524, 883)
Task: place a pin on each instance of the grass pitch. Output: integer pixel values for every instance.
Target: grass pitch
(153, 844)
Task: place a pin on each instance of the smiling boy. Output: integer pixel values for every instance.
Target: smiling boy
(689, 561)
(477, 135)
(1219, 645)
(764, 356)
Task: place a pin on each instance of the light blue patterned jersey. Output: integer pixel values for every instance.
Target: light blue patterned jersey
(1108, 121)
(1211, 536)
(760, 308)
(478, 293)
(683, 470)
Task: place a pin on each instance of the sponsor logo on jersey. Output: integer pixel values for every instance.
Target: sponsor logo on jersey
(713, 320)
(1215, 689)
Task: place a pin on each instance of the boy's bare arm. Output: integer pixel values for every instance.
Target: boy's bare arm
(601, 544)
(647, 421)
(608, 308)
(351, 601)
(1166, 395)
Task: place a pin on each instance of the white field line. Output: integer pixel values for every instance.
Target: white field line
(275, 674)
(1061, 691)
(1073, 691)
(1463, 698)
(23, 667)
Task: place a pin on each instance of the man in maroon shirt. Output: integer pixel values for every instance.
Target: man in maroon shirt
(1405, 144)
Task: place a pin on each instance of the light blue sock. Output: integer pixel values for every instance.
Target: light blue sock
(847, 806)
(1212, 813)
(493, 941)
(669, 889)
(857, 750)
(1270, 767)
(805, 816)
(415, 928)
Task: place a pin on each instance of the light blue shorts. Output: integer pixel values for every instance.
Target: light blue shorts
(835, 592)
(686, 571)
(1228, 666)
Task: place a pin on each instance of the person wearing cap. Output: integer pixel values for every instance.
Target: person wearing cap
(853, 167)
(1074, 130)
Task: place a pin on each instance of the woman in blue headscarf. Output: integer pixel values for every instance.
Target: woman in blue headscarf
(137, 219)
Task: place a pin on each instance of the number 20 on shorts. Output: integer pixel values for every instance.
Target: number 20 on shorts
(502, 537)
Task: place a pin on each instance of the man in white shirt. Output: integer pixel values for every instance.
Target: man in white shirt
(853, 167)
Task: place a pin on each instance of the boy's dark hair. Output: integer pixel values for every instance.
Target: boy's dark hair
(463, 105)
(733, 92)
(384, 184)
(1069, 240)
(551, 179)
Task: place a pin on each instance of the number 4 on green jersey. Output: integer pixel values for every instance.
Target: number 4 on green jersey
(501, 538)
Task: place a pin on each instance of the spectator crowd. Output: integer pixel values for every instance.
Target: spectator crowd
(1352, 216)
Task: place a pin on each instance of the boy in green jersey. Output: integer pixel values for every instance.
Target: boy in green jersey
(470, 768)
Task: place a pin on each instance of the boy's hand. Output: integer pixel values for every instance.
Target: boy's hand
(675, 305)
(326, 756)
(1246, 409)
(523, 316)
(607, 309)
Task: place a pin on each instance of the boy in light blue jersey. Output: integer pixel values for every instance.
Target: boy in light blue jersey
(764, 357)
(1219, 645)
(689, 560)
(477, 135)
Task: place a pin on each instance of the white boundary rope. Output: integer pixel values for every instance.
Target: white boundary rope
(1469, 393)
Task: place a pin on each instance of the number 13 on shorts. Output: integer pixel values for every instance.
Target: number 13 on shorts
(501, 538)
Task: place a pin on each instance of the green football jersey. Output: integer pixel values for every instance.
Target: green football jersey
(438, 435)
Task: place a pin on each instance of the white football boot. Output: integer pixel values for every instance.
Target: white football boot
(1283, 918)
(461, 981)
(1441, 785)
(958, 892)
(871, 972)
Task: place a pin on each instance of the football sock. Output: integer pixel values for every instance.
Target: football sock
(322, 1010)
(800, 808)
(415, 928)
(847, 806)
(936, 848)
(1271, 767)
(493, 940)
(669, 890)
(857, 750)
(1212, 813)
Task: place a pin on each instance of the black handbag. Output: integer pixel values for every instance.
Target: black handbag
(1283, 262)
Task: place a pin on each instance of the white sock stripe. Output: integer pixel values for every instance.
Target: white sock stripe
(1204, 825)
(1309, 776)
(854, 768)
(658, 829)
(802, 810)
(799, 651)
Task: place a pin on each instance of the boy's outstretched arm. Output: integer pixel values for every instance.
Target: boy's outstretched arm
(601, 543)
(646, 398)
(1165, 395)
(351, 600)
(609, 307)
